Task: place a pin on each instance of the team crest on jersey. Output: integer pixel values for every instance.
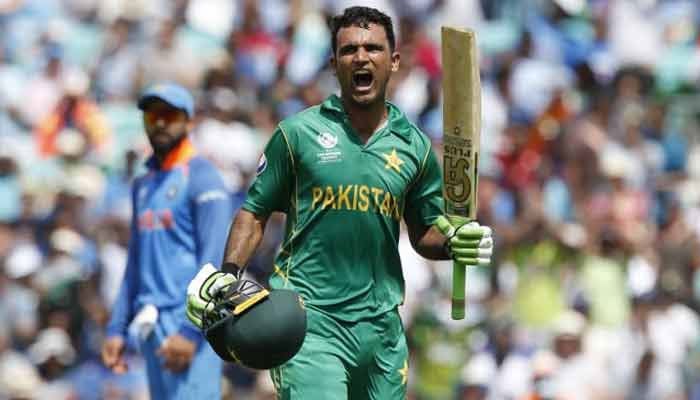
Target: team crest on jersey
(327, 140)
(141, 196)
(262, 164)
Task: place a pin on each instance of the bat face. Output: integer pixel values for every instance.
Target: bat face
(461, 121)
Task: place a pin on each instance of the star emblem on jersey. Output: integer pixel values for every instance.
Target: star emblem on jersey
(393, 161)
(404, 372)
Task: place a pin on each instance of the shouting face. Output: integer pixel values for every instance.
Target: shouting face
(363, 63)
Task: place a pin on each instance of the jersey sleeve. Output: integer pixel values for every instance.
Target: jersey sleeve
(272, 188)
(424, 198)
(211, 209)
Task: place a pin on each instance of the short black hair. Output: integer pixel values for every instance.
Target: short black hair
(362, 17)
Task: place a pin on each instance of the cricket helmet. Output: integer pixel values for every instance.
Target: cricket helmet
(255, 327)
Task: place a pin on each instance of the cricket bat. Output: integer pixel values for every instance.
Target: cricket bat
(461, 125)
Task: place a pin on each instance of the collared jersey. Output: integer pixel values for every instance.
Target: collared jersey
(344, 201)
(181, 214)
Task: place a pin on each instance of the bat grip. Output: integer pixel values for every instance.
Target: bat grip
(459, 277)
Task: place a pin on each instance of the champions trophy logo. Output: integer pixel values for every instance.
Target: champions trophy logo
(327, 140)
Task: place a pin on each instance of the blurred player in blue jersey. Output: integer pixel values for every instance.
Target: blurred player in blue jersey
(180, 222)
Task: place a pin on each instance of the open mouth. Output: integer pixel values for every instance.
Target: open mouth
(362, 79)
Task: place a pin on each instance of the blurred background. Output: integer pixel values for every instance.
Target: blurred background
(590, 176)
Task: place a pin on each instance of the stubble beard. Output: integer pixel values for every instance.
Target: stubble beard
(162, 149)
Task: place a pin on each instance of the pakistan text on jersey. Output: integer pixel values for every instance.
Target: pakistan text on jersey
(360, 198)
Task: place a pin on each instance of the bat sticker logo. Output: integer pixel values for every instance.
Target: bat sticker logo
(458, 185)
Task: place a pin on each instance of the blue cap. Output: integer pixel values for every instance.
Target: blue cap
(171, 93)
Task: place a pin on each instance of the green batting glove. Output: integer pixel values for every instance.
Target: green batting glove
(468, 244)
(203, 289)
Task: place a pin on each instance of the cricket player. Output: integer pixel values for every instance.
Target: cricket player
(180, 220)
(346, 173)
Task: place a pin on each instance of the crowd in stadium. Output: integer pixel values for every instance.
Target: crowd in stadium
(589, 175)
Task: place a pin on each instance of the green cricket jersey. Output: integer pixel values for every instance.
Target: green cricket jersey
(344, 201)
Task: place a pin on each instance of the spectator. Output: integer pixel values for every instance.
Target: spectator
(73, 111)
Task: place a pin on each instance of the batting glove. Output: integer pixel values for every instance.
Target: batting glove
(468, 244)
(204, 289)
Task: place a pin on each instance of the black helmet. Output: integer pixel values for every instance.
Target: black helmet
(258, 328)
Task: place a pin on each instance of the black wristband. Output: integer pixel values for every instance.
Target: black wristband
(232, 268)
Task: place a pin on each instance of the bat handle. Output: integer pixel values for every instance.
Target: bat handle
(459, 275)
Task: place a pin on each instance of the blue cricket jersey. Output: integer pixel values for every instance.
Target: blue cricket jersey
(181, 215)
